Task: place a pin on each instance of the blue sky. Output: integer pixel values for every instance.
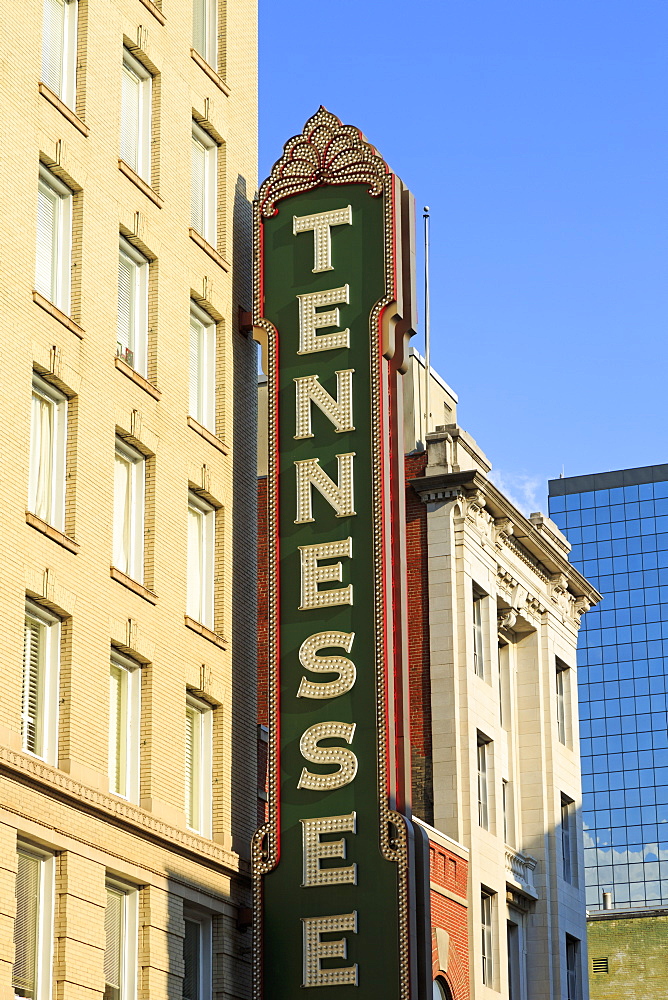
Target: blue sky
(537, 132)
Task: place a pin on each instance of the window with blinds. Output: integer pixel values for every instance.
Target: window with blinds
(59, 48)
(202, 367)
(196, 956)
(201, 539)
(54, 240)
(136, 116)
(33, 926)
(114, 926)
(204, 186)
(39, 694)
(129, 483)
(124, 722)
(198, 761)
(48, 439)
(205, 30)
(132, 328)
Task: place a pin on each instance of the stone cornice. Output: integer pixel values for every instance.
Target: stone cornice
(59, 785)
(532, 545)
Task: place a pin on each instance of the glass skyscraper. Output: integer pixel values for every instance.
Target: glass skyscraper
(617, 523)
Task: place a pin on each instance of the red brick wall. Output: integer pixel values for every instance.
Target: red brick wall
(418, 642)
(450, 871)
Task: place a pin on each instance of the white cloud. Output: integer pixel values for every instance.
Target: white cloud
(524, 490)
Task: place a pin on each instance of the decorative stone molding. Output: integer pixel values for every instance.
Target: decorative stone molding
(519, 872)
(326, 152)
(506, 619)
(503, 529)
(115, 810)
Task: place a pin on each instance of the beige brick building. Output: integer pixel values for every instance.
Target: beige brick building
(127, 719)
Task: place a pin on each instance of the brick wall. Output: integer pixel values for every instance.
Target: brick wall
(418, 642)
(449, 875)
(637, 956)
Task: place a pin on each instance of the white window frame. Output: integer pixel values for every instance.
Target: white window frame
(573, 970)
(478, 634)
(46, 721)
(53, 259)
(136, 120)
(199, 770)
(205, 953)
(202, 400)
(129, 931)
(482, 759)
(487, 936)
(204, 192)
(205, 30)
(568, 843)
(124, 759)
(48, 459)
(135, 339)
(44, 925)
(563, 694)
(129, 512)
(59, 52)
(201, 562)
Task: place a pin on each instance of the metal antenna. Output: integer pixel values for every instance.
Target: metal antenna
(427, 337)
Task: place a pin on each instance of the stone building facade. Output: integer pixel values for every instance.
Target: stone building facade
(495, 611)
(128, 719)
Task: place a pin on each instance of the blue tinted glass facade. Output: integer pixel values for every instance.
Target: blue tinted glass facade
(620, 543)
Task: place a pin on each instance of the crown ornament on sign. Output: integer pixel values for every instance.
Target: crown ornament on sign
(326, 152)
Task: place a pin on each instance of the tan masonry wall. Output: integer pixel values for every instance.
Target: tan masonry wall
(67, 809)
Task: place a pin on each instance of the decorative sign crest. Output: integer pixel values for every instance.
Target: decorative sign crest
(333, 303)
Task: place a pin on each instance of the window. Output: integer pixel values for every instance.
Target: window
(33, 927)
(478, 645)
(199, 736)
(120, 947)
(39, 698)
(129, 478)
(203, 192)
(504, 796)
(201, 534)
(202, 367)
(59, 48)
(572, 971)
(563, 694)
(483, 802)
(486, 937)
(567, 839)
(136, 116)
(132, 335)
(205, 29)
(441, 990)
(48, 439)
(54, 240)
(197, 958)
(124, 721)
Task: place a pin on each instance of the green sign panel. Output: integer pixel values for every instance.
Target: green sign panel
(331, 866)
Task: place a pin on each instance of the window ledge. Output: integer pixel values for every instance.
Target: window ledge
(136, 588)
(58, 314)
(51, 532)
(210, 71)
(145, 188)
(205, 632)
(63, 108)
(157, 13)
(137, 378)
(207, 435)
(207, 248)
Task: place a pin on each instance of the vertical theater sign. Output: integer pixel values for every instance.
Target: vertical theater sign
(333, 868)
